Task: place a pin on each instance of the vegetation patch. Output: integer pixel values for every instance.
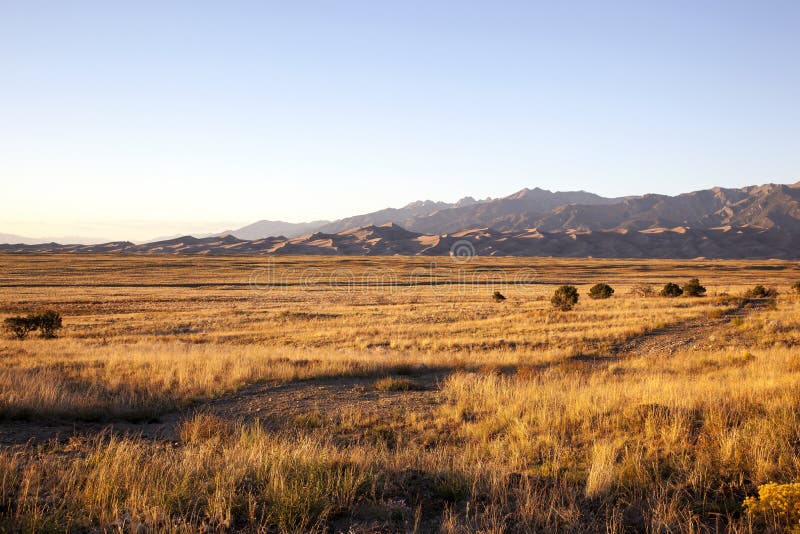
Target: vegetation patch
(642, 291)
(761, 292)
(565, 298)
(601, 291)
(693, 288)
(396, 384)
(47, 323)
(776, 507)
(671, 290)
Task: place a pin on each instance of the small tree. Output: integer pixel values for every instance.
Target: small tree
(642, 290)
(48, 323)
(671, 290)
(498, 297)
(796, 287)
(601, 291)
(693, 288)
(761, 292)
(20, 327)
(565, 298)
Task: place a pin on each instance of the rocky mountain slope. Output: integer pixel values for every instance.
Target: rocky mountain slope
(765, 206)
(752, 222)
(427, 216)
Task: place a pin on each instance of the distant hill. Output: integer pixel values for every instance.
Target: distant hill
(13, 238)
(405, 216)
(751, 222)
(261, 229)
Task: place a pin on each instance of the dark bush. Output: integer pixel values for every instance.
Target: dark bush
(47, 323)
(565, 298)
(671, 290)
(498, 297)
(19, 327)
(761, 292)
(601, 291)
(693, 288)
(796, 287)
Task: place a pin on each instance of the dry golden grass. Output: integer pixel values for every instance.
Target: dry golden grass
(533, 419)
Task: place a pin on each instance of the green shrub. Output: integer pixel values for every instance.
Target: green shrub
(761, 292)
(671, 290)
(693, 288)
(601, 291)
(498, 297)
(565, 298)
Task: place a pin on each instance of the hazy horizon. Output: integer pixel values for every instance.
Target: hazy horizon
(147, 120)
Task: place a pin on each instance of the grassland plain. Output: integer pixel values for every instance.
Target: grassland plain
(359, 394)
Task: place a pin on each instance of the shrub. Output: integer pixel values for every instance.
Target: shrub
(776, 504)
(20, 327)
(693, 288)
(498, 297)
(565, 298)
(642, 290)
(671, 290)
(396, 384)
(761, 292)
(601, 291)
(796, 287)
(205, 426)
(47, 323)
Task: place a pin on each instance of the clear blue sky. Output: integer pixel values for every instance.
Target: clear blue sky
(137, 119)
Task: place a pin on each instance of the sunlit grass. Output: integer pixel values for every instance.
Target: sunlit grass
(531, 423)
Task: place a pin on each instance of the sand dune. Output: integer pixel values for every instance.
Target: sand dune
(391, 239)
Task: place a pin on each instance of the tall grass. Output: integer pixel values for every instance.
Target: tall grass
(216, 482)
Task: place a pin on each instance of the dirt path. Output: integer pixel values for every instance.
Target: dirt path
(36, 432)
(693, 333)
(275, 404)
(286, 402)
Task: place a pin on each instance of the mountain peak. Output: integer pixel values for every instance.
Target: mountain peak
(421, 204)
(527, 192)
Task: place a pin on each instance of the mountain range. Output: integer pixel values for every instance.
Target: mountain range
(751, 222)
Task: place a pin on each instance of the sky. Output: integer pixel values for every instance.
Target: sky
(133, 120)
